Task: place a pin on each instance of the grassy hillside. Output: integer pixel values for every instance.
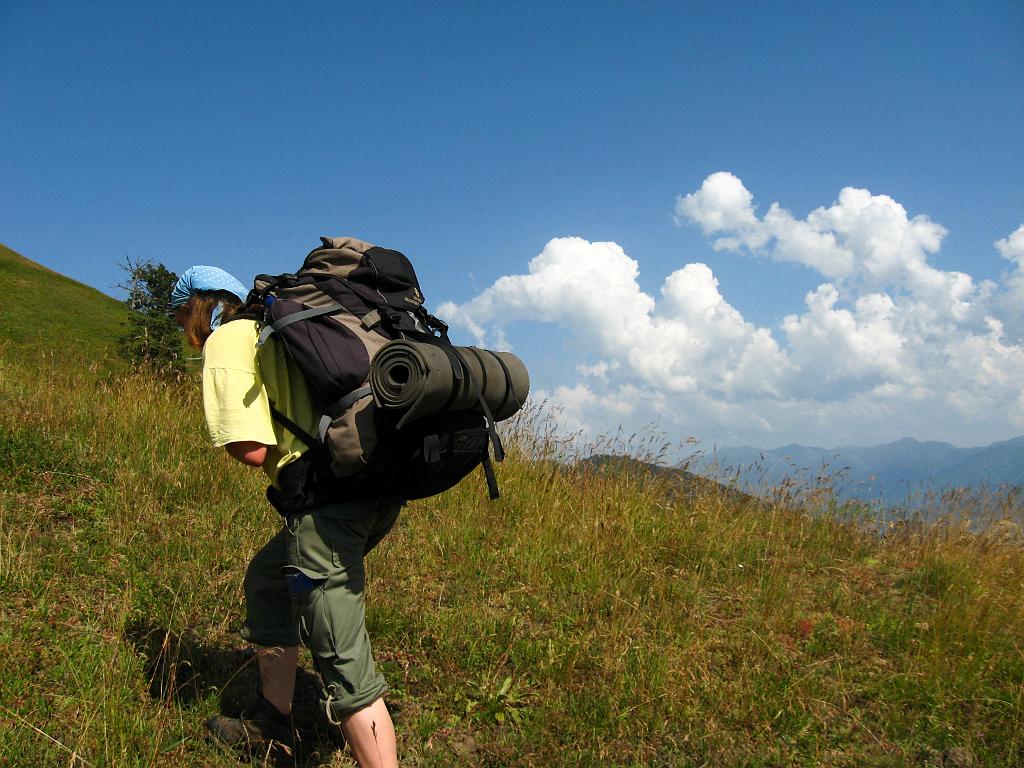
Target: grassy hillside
(591, 617)
(49, 313)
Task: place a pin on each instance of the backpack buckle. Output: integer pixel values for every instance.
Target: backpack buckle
(370, 320)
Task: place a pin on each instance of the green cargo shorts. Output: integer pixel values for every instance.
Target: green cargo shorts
(308, 583)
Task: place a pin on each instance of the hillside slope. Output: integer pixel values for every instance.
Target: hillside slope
(991, 464)
(47, 312)
(590, 617)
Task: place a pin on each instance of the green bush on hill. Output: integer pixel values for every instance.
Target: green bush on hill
(153, 339)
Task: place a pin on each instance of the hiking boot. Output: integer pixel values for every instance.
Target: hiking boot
(260, 731)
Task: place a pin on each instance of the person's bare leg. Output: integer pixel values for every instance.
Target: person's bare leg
(277, 674)
(371, 736)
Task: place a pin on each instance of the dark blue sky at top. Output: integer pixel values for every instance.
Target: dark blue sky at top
(469, 134)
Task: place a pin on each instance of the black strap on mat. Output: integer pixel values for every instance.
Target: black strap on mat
(508, 383)
(492, 432)
(492, 481)
(459, 371)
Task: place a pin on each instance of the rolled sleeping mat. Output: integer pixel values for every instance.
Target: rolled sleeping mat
(423, 379)
(411, 377)
(503, 379)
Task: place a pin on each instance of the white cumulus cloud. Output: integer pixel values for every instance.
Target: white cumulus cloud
(1012, 247)
(1012, 301)
(694, 340)
(886, 345)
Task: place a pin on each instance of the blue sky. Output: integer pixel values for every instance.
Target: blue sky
(476, 136)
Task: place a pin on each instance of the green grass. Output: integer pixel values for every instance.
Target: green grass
(47, 313)
(588, 618)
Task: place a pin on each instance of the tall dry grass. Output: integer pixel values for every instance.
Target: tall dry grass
(595, 615)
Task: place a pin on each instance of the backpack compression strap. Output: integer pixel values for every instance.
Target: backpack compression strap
(284, 322)
(325, 421)
(341, 406)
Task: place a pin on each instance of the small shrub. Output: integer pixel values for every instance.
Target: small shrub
(152, 339)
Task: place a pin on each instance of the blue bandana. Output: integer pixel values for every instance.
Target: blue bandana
(215, 316)
(203, 278)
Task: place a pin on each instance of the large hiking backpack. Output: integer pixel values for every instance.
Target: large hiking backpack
(347, 302)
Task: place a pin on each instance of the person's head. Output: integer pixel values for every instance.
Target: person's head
(202, 298)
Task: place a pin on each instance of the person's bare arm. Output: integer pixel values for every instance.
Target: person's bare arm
(248, 452)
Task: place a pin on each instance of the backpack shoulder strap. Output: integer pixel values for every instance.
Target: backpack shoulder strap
(294, 428)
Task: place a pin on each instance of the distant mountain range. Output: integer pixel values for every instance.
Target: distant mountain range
(893, 473)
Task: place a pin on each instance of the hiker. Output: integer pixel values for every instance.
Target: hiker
(307, 583)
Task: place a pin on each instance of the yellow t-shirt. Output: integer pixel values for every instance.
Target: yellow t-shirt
(241, 383)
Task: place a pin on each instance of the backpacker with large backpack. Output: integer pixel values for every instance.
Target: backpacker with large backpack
(403, 412)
